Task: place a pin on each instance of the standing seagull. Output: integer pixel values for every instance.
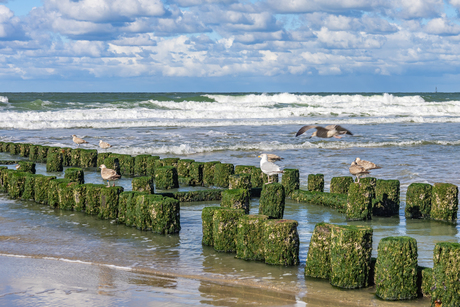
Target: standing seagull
(357, 170)
(269, 168)
(104, 145)
(109, 174)
(78, 140)
(366, 164)
(325, 132)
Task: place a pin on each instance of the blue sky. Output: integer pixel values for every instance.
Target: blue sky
(230, 45)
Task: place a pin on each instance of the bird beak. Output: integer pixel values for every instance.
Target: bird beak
(258, 156)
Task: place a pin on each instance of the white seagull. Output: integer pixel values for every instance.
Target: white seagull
(104, 145)
(269, 168)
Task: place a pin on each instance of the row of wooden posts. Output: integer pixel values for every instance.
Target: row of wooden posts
(345, 254)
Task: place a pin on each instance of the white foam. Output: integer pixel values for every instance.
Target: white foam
(230, 110)
(3, 99)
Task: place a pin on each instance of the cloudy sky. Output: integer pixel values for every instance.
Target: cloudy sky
(230, 45)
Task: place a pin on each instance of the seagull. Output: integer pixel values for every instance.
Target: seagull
(357, 170)
(273, 158)
(17, 166)
(366, 164)
(104, 145)
(325, 132)
(269, 168)
(109, 174)
(78, 140)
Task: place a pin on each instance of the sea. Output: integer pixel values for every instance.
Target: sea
(56, 257)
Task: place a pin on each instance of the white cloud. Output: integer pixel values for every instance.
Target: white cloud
(106, 10)
(442, 26)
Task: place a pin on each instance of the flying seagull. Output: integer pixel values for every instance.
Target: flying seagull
(325, 132)
(78, 140)
(269, 168)
(104, 145)
(109, 174)
(366, 164)
(357, 170)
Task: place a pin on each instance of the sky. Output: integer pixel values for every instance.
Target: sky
(229, 45)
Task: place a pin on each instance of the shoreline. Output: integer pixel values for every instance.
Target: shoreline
(315, 291)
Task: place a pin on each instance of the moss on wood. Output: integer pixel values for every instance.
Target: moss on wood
(396, 268)
(208, 173)
(250, 237)
(359, 203)
(316, 182)
(333, 200)
(236, 199)
(446, 274)
(418, 200)
(93, 198)
(53, 191)
(222, 172)
(166, 178)
(444, 202)
(281, 241)
(290, 180)
(143, 184)
(41, 187)
(318, 262)
(272, 200)
(75, 174)
(27, 167)
(225, 227)
(341, 185)
(126, 164)
(207, 218)
(54, 162)
(109, 202)
(351, 248)
(239, 181)
(386, 202)
(140, 165)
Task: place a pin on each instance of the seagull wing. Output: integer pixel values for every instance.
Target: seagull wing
(357, 170)
(305, 128)
(270, 168)
(321, 132)
(339, 129)
(368, 165)
(109, 174)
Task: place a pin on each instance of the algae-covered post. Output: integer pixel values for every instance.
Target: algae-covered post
(54, 162)
(351, 248)
(250, 237)
(16, 182)
(150, 169)
(236, 199)
(75, 174)
(27, 166)
(222, 172)
(183, 167)
(396, 269)
(127, 207)
(126, 164)
(24, 149)
(140, 165)
(14, 149)
(316, 182)
(418, 200)
(341, 185)
(53, 192)
(272, 200)
(29, 187)
(207, 215)
(41, 188)
(65, 192)
(166, 178)
(386, 202)
(281, 241)
(196, 173)
(109, 202)
(446, 274)
(143, 184)
(240, 181)
(88, 158)
(318, 262)
(444, 202)
(165, 215)
(290, 180)
(225, 227)
(93, 197)
(359, 203)
(208, 173)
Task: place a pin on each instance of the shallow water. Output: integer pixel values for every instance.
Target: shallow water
(30, 229)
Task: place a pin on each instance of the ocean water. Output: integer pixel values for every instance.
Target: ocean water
(414, 137)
